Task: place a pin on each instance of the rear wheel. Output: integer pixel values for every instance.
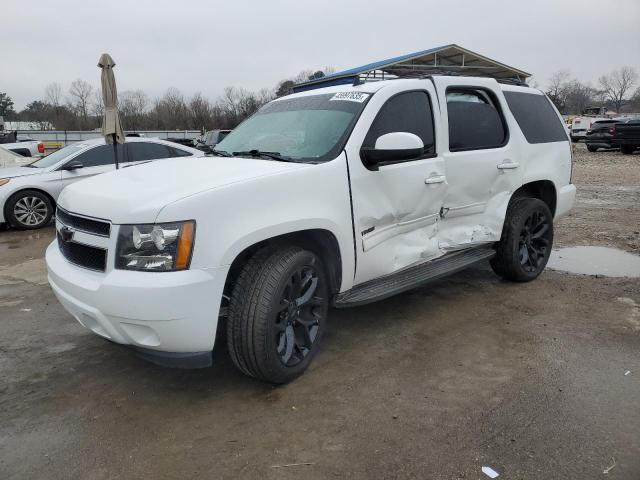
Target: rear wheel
(527, 238)
(29, 209)
(592, 148)
(277, 314)
(627, 149)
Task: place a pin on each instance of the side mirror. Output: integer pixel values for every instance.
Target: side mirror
(72, 165)
(392, 147)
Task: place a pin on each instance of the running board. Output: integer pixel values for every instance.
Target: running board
(381, 288)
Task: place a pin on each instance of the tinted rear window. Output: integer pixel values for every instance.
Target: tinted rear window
(536, 117)
(474, 120)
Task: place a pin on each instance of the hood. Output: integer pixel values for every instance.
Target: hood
(12, 172)
(137, 194)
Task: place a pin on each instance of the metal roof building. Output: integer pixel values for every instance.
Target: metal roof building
(447, 60)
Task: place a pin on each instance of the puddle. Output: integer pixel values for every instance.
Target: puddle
(609, 262)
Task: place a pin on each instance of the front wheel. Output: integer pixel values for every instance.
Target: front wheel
(277, 314)
(527, 238)
(29, 209)
(592, 148)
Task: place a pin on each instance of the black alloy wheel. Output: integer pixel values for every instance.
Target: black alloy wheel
(298, 321)
(527, 239)
(277, 313)
(535, 241)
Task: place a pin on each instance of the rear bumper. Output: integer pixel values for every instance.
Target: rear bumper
(598, 142)
(169, 317)
(633, 142)
(566, 199)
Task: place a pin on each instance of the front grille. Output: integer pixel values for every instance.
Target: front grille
(83, 224)
(81, 255)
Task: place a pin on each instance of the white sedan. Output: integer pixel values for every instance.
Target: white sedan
(28, 193)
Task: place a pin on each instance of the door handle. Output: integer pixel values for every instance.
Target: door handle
(435, 179)
(508, 165)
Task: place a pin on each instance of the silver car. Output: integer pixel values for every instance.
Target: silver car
(28, 193)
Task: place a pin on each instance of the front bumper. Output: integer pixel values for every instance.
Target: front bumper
(3, 202)
(165, 316)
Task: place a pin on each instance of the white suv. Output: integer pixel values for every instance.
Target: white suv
(336, 196)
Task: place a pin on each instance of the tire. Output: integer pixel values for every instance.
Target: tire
(575, 139)
(592, 148)
(627, 149)
(527, 239)
(29, 210)
(269, 336)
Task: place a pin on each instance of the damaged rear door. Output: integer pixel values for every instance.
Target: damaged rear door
(396, 207)
(482, 160)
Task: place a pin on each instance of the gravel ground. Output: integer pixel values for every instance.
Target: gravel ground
(530, 380)
(607, 208)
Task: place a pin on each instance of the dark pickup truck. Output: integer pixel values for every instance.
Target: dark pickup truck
(626, 135)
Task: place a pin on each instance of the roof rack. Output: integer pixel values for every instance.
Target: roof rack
(365, 79)
(448, 60)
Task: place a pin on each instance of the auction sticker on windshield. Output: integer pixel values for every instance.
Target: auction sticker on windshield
(351, 96)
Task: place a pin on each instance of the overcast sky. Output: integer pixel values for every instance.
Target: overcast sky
(200, 45)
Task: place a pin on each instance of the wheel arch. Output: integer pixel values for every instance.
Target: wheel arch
(544, 190)
(322, 242)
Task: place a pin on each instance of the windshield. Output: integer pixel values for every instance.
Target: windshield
(312, 128)
(56, 156)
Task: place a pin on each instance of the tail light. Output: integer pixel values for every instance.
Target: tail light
(571, 147)
(612, 130)
(41, 147)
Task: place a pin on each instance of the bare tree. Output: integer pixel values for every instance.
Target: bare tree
(133, 106)
(97, 104)
(80, 93)
(617, 85)
(170, 111)
(578, 96)
(237, 104)
(557, 89)
(635, 100)
(53, 94)
(201, 113)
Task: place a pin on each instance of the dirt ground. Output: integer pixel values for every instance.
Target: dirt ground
(530, 380)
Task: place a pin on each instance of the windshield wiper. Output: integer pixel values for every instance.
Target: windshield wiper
(259, 153)
(219, 153)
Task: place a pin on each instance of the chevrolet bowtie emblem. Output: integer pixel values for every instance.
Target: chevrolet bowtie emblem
(66, 234)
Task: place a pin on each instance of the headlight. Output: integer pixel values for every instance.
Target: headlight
(163, 247)
(4, 181)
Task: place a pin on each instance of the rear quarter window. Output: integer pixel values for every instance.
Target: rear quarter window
(536, 117)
